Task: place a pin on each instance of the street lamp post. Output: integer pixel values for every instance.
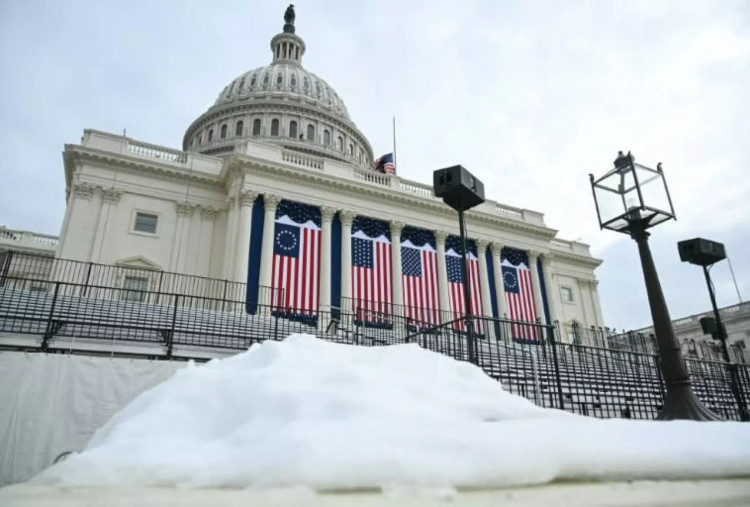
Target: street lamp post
(630, 199)
(461, 191)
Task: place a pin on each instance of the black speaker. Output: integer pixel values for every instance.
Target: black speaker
(702, 252)
(458, 187)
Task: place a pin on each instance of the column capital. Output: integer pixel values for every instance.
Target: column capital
(396, 227)
(441, 236)
(327, 213)
(208, 213)
(247, 197)
(271, 202)
(111, 195)
(482, 246)
(347, 217)
(496, 248)
(533, 254)
(83, 191)
(184, 208)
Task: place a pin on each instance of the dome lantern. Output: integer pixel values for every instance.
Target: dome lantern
(287, 47)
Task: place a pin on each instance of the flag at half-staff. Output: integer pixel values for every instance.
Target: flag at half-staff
(384, 164)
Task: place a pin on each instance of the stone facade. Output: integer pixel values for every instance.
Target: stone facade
(194, 211)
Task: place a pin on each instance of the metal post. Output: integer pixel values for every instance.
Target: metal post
(680, 401)
(50, 326)
(733, 380)
(470, 339)
(558, 380)
(8, 258)
(88, 279)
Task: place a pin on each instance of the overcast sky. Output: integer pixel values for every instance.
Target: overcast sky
(529, 96)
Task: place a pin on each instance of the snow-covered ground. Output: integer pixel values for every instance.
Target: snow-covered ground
(306, 412)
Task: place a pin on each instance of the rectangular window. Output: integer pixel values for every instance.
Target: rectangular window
(134, 288)
(145, 222)
(566, 293)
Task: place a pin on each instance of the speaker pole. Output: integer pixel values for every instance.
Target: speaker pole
(470, 339)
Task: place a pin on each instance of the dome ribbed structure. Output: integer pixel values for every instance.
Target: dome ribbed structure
(282, 103)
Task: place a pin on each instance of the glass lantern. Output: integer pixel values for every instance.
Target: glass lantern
(631, 194)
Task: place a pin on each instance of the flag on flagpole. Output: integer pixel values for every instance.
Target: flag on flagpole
(296, 259)
(519, 293)
(371, 270)
(456, 281)
(384, 164)
(419, 276)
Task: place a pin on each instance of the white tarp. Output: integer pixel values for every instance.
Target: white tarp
(52, 403)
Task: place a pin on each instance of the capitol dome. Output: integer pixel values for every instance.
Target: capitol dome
(282, 103)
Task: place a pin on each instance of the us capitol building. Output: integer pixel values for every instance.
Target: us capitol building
(276, 150)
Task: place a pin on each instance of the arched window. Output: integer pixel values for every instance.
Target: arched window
(279, 80)
(266, 80)
(256, 127)
(200, 139)
(242, 83)
(293, 129)
(223, 133)
(351, 149)
(210, 135)
(317, 89)
(340, 143)
(306, 84)
(238, 128)
(252, 80)
(310, 133)
(326, 137)
(294, 80)
(274, 127)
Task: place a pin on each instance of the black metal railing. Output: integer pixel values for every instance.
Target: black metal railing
(601, 374)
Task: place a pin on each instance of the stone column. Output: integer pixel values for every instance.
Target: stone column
(496, 249)
(445, 308)
(533, 256)
(77, 211)
(597, 304)
(398, 295)
(326, 215)
(347, 217)
(230, 238)
(242, 253)
(203, 259)
(184, 214)
(553, 292)
(110, 198)
(484, 282)
(270, 203)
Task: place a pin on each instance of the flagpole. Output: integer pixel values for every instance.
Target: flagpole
(394, 142)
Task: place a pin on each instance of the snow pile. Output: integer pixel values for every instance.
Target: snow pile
(329, 416)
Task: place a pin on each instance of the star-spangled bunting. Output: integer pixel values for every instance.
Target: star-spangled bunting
(295, 280)
(519, 292)
(419, 277)
(371, 270)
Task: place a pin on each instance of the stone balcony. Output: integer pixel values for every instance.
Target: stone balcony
(27, 241)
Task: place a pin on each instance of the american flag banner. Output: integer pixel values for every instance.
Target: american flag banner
(384, 164)
(371, 270)
(456, 280)
(419, 276)
(295, 280)
(519, 292)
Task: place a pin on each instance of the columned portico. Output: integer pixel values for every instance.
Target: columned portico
(347, 218)
(440, 237)
(270, 203)
(246, 201)
(496, 249)
(398, 296)
(533, 257)
(326, 217)
(484, 278)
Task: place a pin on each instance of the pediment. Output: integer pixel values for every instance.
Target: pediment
(138, 261)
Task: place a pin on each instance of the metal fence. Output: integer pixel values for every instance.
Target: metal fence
(64, 306)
